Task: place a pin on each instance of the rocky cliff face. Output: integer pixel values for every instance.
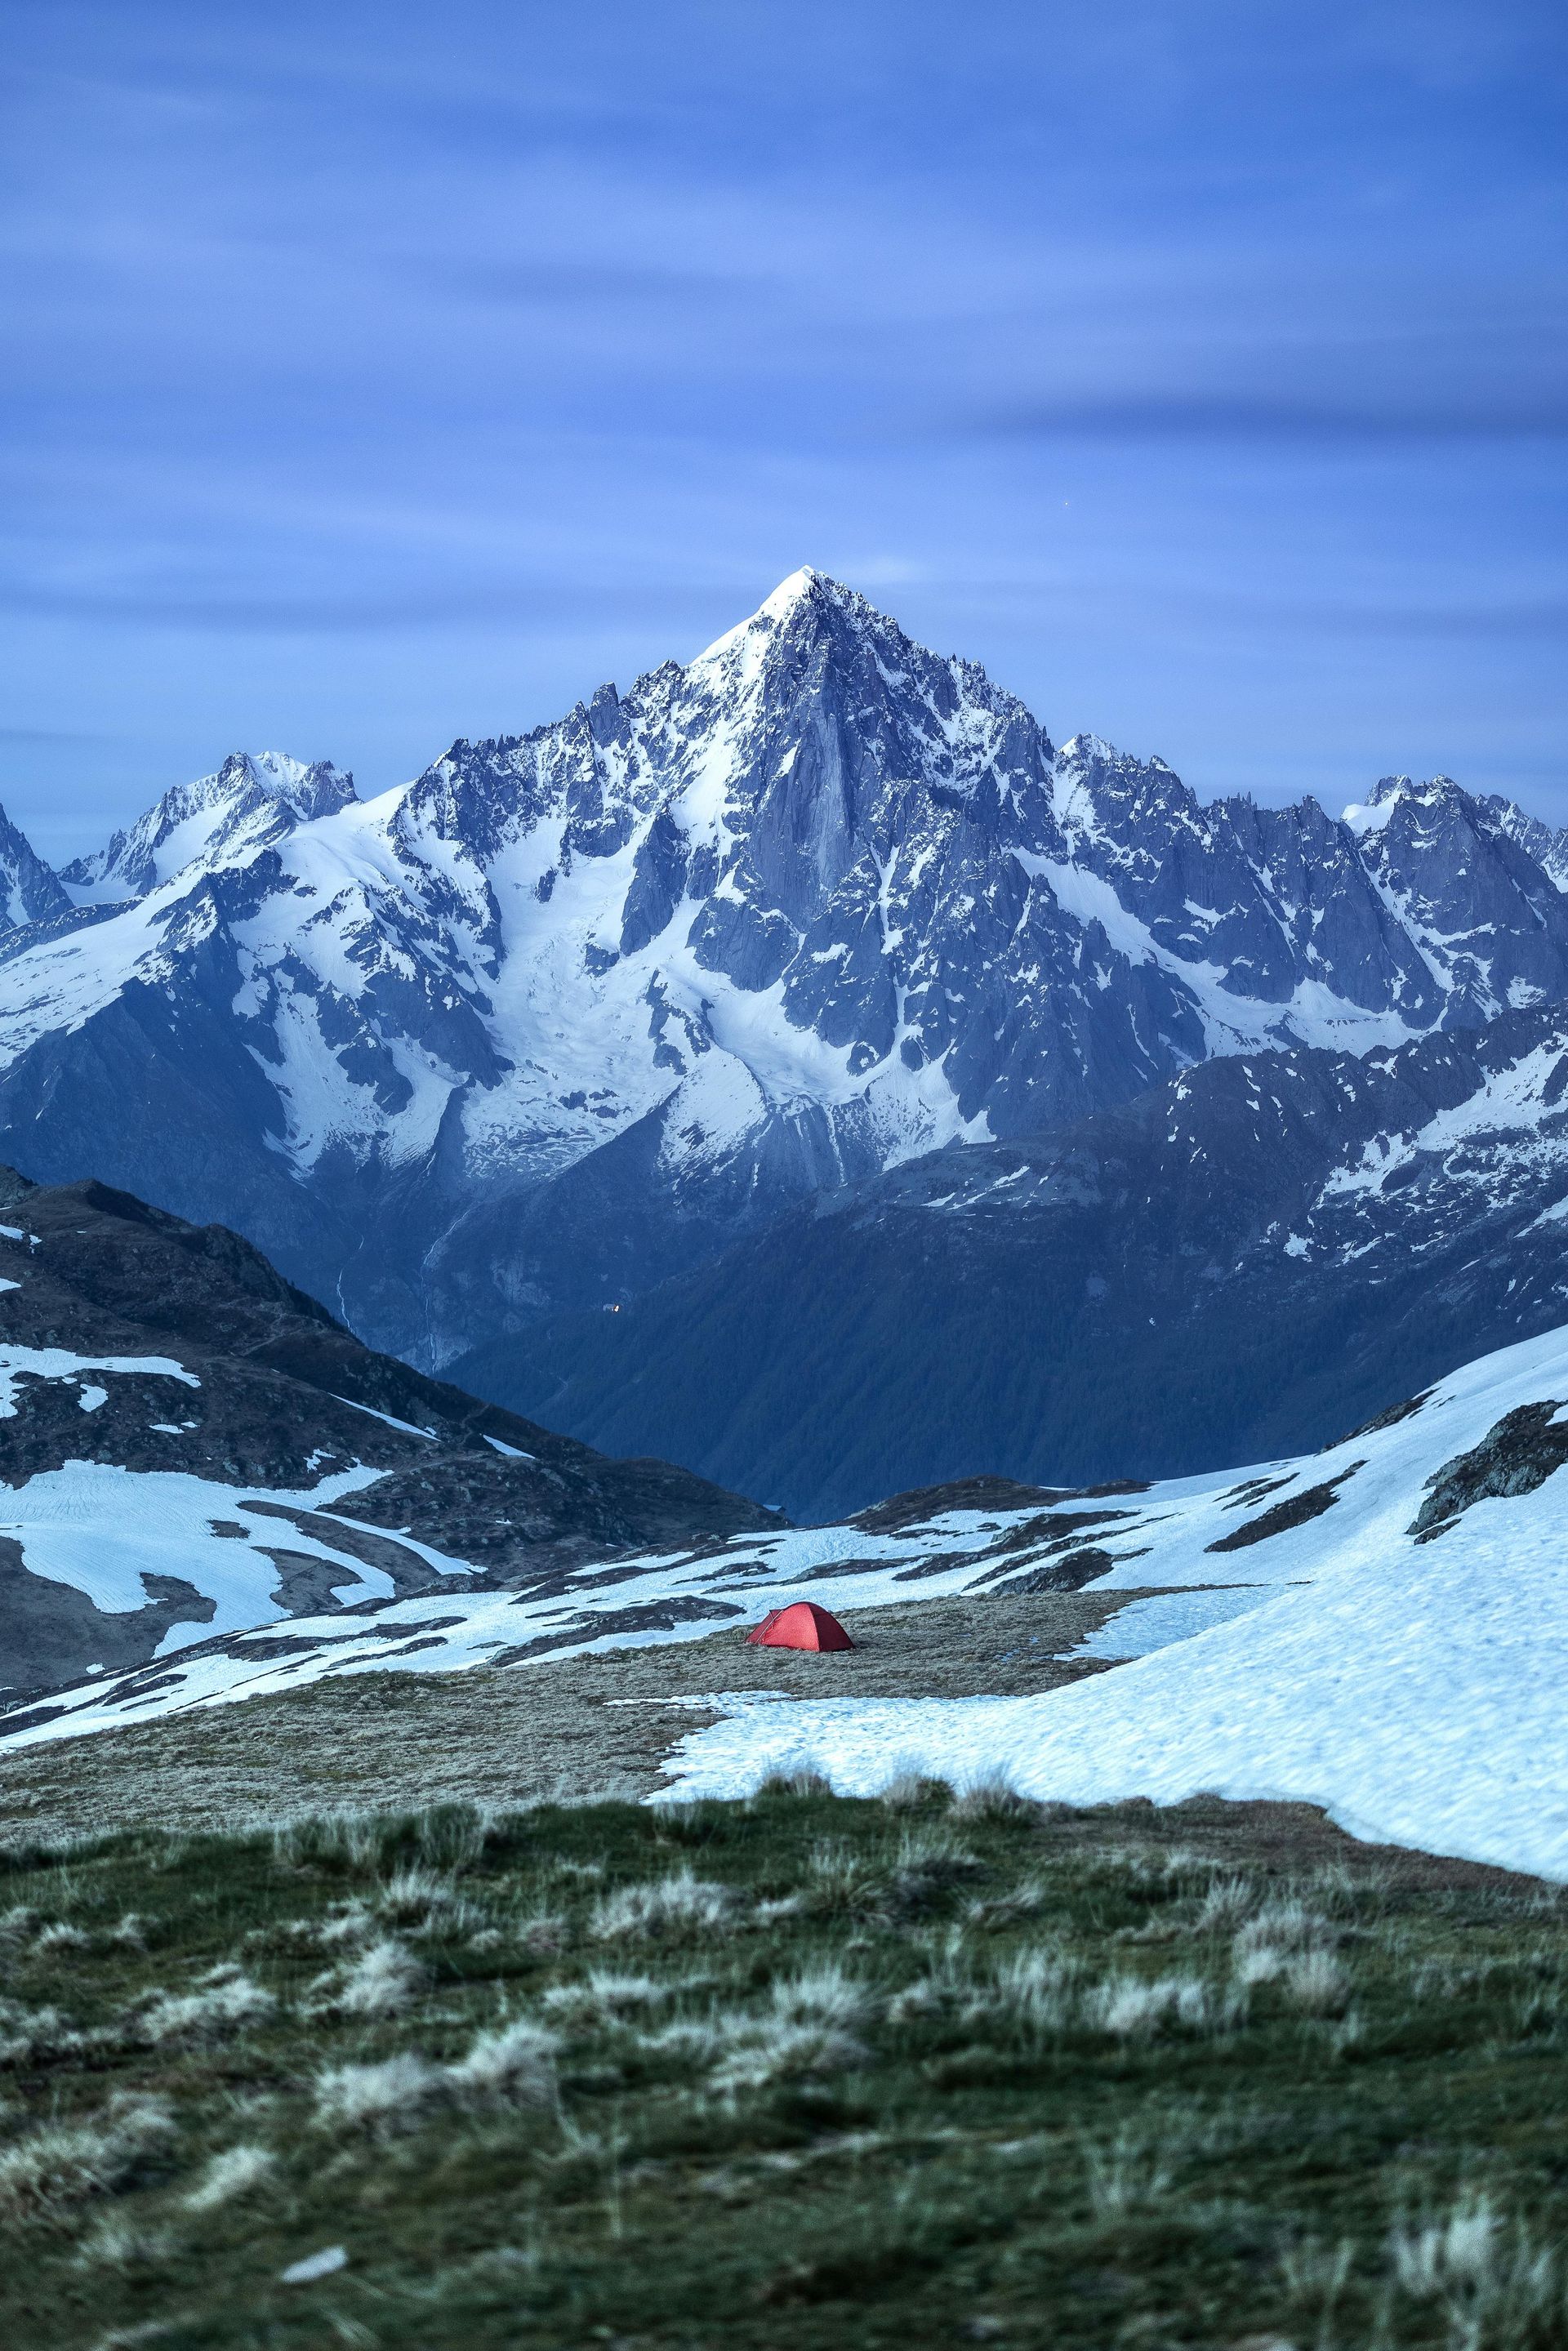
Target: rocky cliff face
(576, 1009)
(29, 892)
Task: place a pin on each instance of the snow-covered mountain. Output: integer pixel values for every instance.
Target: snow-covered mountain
(573, 1010)
(1379, 1628)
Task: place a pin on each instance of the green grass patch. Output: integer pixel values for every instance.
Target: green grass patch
(802, 2072)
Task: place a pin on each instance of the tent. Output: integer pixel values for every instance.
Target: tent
(802, 1625)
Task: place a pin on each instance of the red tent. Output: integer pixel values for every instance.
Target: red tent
(802, 1625)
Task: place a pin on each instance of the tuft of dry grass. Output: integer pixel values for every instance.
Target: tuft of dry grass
(514, 2063)
(384, 1981)
(600, 1997)
(1228, 1901)
(237, 2171)
(393, 2095)
(322, 1839)
(824, 1994)
(60, 1937)
(1027, 1899)
(910, 1790)
(991, 1797)
(928, 1863)
(776, 2051)
(1318, 1983)
(35, 2035)
(421, 1903)
(224, 2001)
(544, 1933)
(663, 1910)
(63, 2164)
(1135, 2008)
(1495, 2284)
(1283, 1926)
(511, 2063)
(809, 2026)
(839, 1880)
(128, 2246)
(804, 1780)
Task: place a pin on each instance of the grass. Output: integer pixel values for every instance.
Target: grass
(778, 2076)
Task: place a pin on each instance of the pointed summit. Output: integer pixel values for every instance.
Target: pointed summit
(808, 595)
(794, 591)
(801, 588)
(1391, 793)
(809, 590)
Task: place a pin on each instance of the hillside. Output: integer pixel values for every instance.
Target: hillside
(1239, 1263)
(192, 1445)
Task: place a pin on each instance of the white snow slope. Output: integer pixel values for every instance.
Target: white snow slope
(102, 1529)
(1414, 1689)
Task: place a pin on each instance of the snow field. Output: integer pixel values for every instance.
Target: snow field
(1413, 1689)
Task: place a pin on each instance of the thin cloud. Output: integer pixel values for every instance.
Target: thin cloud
(1229, 416)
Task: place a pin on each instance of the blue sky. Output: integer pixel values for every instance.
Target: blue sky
(377, 374)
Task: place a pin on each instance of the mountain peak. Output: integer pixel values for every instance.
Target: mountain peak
(252, 798)
(800, 586)
(1079, 750)
(310, 788)
(768, 922)
(1373, 814)
(806, 591)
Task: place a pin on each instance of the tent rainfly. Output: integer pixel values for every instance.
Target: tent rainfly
(802, 1625)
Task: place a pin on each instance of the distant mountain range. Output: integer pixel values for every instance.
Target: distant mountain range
(662, 1008)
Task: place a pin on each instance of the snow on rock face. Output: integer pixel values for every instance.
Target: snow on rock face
(59, 1363)
(1309, 1637)
(118, 1535)
(567, 1013)
(251, 799)
(1229, 1267)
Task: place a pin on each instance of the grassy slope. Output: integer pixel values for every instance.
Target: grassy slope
(801, 2072)
(501, 1737)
